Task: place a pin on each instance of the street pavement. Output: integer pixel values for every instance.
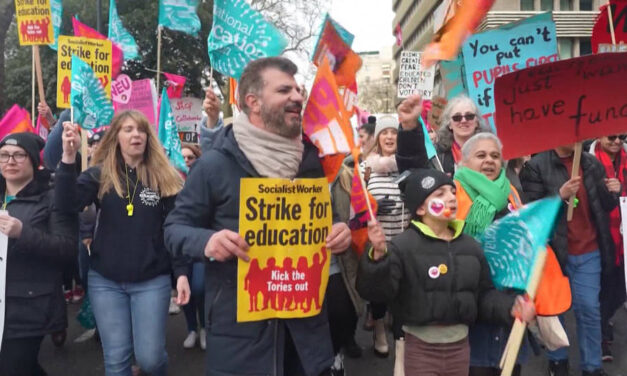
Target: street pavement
(85, 359)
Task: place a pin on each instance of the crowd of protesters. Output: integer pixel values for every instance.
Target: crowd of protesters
(129, 229)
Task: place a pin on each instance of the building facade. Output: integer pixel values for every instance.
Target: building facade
(574, 20)
(375, 87)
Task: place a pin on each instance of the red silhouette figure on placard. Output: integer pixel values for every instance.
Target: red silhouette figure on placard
(254, 284)
(23, 31)
(286, 299)
(269, 296)
(300, 297)
(44, 30)
(66, 89)
(314, 277)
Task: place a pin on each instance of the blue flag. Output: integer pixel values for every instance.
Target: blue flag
(512, 243)
(56, 9)
(239, 35)
(179, 15)
(118, 34)
(428, 144)
(92, 108)
(168, 134)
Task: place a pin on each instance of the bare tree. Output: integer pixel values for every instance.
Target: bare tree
(376, 96)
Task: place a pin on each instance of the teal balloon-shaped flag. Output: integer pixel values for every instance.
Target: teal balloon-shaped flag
(168, 134)
(119, 35)
(179, 15)
(239, 35)
(56, 9)
(92, 108)
(512, 243)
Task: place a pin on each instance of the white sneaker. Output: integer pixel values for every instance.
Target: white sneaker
(202, 338)
(190, 341)
(88, 334)
(174, 309)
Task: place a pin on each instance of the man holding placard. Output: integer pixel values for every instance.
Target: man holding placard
(254, 207)
(584, 245)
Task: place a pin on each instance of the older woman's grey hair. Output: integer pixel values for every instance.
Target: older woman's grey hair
(445, 134)
(469, 146)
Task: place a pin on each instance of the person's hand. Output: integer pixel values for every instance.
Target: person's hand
(226, 244)
(44, 110)
(71, 142)
(377, 239)
(613, 185)
(523, 309)
(182, 290)
(211, 106)
(409, 111)
(339, 239)
(570, 188)
(10, 226)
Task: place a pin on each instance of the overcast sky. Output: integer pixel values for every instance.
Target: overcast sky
(369, 20)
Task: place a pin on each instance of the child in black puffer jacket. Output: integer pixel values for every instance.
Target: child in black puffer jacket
(437, 277)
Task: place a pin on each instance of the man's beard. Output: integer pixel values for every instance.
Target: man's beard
(274, 120)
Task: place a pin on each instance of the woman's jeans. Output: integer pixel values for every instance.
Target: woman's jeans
(131, 316)
(584, 272)
(197, 299)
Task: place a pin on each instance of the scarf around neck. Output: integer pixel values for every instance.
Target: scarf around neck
(488, 198)
(271, 155)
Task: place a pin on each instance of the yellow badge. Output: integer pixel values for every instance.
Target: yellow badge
(443, 269)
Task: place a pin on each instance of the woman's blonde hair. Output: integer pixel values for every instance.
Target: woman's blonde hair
(154, 171)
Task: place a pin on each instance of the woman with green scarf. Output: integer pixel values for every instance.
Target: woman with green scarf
(484, 194)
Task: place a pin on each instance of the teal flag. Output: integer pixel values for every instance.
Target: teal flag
(179, 15)
(428, 144)
(168, 134)
(92, 108)
(512, 243)
(119, 35)
(56, 8)
(239, 35)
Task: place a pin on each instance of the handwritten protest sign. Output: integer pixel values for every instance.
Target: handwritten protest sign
(496, 52)
(95, 52)
(601, 39)
(140, 95)
(188, 116)
(286, 223)
(412, 78)
(34, 22)
(560, 103)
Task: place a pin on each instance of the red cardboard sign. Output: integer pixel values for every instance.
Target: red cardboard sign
(540, 108)
(601, 30)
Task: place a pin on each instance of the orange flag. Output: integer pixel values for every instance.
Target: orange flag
(359, 222)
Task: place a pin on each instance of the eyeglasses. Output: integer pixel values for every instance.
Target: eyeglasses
(458, 117)
(17, 157)
(612, 138)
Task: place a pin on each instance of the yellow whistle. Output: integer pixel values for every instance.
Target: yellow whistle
(129, 209)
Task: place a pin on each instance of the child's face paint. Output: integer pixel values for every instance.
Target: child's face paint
(437, 208)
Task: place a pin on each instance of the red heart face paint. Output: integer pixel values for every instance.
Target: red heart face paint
(436, 207)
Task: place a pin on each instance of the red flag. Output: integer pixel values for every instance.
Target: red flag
(359, 222)
(175, 84)
(117, 56)
(398, 33)
(16, 120)
(232, 91)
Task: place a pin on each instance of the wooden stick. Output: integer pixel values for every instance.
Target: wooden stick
(363, 185)
(611, 22)
(508, 361)
(40, 79)
(33, 118)
(574, 174)
(158, 56)
(83, 149)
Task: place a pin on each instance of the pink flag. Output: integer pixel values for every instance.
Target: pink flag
(175, 84)
(16, 120)
(117, 56)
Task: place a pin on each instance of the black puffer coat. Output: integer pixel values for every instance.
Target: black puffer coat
(545, 174)
(34, 298)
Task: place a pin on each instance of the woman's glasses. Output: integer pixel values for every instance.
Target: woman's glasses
(468, 117)
(17, 157)
(612, 138)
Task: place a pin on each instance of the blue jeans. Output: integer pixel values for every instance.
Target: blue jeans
(131, 316)
(197, 299)
(584, 272)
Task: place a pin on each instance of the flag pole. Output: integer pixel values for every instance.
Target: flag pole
(611, 22)
(33, 89)
(158, 55)
(40, 79)
(574, 174)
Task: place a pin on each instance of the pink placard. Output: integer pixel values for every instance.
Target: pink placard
(143, 97)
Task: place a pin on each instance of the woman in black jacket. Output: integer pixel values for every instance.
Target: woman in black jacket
(41, 240)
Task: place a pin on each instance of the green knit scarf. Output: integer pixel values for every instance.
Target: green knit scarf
(488, 198)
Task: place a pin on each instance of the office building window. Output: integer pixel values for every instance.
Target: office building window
(546, 4)
(565, 48)
(526, 4)
(585, 48)
(585, 5)
(566, 4)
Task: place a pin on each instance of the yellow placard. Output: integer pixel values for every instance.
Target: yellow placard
(286, 223)
(34, 22)
(95, 52)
